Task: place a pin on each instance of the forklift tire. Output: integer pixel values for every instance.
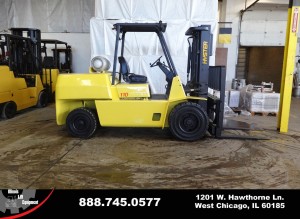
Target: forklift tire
(82, 123)
(188, 122)
(43, 99)
(9, 110)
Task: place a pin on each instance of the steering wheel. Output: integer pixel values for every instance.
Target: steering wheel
(155, 63)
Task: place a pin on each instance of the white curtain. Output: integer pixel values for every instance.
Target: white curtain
(141, 49)
(47, 15)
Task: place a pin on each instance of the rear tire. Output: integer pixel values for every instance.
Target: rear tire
(82, 123)
(9, 110)
(43, 99)
(188, 122)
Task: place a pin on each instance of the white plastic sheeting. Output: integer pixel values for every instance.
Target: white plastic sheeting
(184, 10)
(144, 48)
(47, 15)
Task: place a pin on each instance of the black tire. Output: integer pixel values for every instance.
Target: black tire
(82, 123)
(43, 99)
(9, 110)
(188, 122)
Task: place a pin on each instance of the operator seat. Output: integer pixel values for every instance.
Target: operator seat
(127, 76)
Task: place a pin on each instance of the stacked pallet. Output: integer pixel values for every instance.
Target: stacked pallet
(259, 103)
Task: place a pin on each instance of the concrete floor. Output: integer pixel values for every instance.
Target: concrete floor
(36, 153)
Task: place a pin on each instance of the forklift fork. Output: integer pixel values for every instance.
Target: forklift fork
(215, 109)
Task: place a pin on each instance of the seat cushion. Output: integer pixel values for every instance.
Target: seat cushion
(133, 78)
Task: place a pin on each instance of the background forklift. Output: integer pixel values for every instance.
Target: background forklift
(123, 99)
(20, 73)
(59, 61)
(61, 57)
(25, 81)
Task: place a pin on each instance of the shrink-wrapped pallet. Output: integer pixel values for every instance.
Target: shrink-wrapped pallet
(262, 102)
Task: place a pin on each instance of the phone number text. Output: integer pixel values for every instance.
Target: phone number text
(122, 202)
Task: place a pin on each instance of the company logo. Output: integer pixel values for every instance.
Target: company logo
(14, 202)
(16, 199)
(205, 52)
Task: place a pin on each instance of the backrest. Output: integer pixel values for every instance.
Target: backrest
(127, 76)
(124, 68)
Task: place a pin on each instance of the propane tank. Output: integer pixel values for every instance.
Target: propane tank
(100, 64)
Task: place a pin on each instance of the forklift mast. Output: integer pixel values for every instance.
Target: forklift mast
(59, 49)
(199, 51)
(18, 53)
(35, 46)
(202, 76)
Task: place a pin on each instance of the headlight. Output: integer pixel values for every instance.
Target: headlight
(100, 63)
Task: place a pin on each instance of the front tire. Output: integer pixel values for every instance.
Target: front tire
(82, 123)
(188, 122)
(9, 110)
(43, 99)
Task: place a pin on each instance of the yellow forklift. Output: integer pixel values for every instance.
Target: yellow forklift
(122, 98)
(21, 85)
(28, 73)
